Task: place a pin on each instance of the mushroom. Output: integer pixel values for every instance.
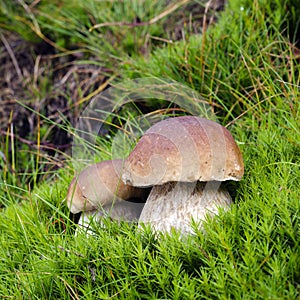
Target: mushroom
(185, 159)
(98, 191)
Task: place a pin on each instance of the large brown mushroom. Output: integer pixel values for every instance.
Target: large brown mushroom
(98, 191)
(185, 159)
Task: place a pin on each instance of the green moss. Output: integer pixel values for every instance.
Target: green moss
(248, 71)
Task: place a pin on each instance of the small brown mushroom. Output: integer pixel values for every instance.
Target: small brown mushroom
(185, 159)
(98, 191)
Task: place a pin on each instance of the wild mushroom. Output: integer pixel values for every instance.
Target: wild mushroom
(185, 159)
(98, 191)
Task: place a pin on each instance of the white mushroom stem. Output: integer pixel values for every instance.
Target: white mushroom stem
(119, 211)
(175, 204)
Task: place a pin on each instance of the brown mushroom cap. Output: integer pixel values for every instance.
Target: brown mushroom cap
(99, 185)
(184, 149)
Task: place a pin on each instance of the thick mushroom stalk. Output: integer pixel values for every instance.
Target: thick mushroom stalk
(185, 159)
(175, 204)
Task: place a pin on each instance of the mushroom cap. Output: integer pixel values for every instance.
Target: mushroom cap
(100, 185)
(184, 149)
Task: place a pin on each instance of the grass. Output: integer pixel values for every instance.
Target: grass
(248, 252)
(110, 31)
(249, 73)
